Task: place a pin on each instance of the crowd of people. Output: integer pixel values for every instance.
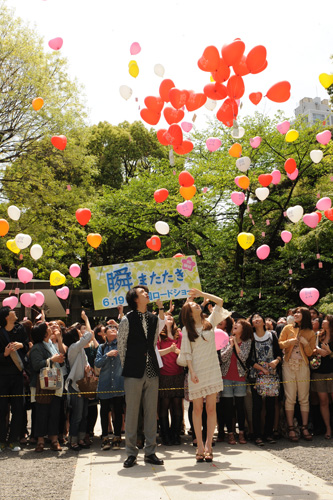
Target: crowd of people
(270, 380)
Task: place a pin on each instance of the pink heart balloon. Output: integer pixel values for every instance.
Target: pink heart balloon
(186, 126)
(63, 292)
(185, 208)
(135, 48)
(56, 43)
(311, 220)
(283, 127)
(237, 197)
(324, 203)
(205, 189)
(74, 270)
(24, 275)
(28, 299)
(236, 181)
(2, 285)
(263, 252)
(309, 296)
(39, 299)
(324, 137)
(213, 144)
(255, 142)
(10, 302)
(286, 236)
(294, 175)
(276, 174)
(221, 339)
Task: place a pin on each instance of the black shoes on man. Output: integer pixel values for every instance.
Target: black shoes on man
(149, 459)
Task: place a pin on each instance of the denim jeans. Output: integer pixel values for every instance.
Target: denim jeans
(78, 417)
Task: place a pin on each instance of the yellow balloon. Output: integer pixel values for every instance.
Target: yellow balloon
(11, 244)
(326, 80)
(212, 79)
(133, 69)
(245, 240)
(56, 278)
(292, 135)
(188, 192)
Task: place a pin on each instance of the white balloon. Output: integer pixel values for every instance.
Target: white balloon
(22, 241)
(162, 227)
(237, 133)
(125, 92)
(14, 212)
(316, 155)
(243, 164)
(159, 70)
(36, 252)
(295, 213)
(262, 193)
(210, 104)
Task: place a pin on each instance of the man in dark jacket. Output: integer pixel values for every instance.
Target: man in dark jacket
(137, 337)
(14, 344)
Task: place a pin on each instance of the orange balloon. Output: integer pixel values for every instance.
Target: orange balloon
(236, 150)
(38, 103)
(235, 87)
(256, 58)
(228, 112)
(232, 52)
(187, 192)
(244, 181)
(94, 239)
(280, 92)
(4, 227)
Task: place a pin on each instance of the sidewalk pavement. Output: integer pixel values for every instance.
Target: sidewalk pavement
(240, 472)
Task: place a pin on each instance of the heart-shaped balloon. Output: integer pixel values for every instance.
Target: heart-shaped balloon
(11, 245)
(37, 103)
(125, 92)
(286, 236)
(195, 101)
(187, 192)
(4, 227)
(280, 92)
(185, 208)
(237, 180)
(209, 61)
(292, 135)
(324, 203)
(245, 240)
(309, 296)
(40, 299)
(213, 144)
(215, 91)
(255, 97)
(222, 73)
(295, 213)
(161, 195)
(2, 285)
(94, 239)
(210, 104)
(36, 251)
(57, 278)
(164, 90)
(10, 302)
(316, 155)
(311, 220)
(237, 132)
(178, 98)
(294, 175)
(324, 137)
(59, 142)
(149, 116)
(154, 103)
(290, 165)
(63, 292)
(276, 175)
(56, 43)
(162, 227)
(263, 252)
(186, 126)
(283, 127)
(24, 275)
(235, 87)
(243, 164)
(255, 142)
(262, 193)
(184, 148)
(28, 299)
(173, 115)
(174, 135)
(243, 182)
(329, 214)
(236, 150)
(83, 216)
(160, 136)
(159, 70)
(135, 48)
(74, 270)
(265, 179)
(319, 215)
(185, 179)
(326, 80)
(221, 339)
(154, 243)
(13, 212)
(22, 240)
(237, 197)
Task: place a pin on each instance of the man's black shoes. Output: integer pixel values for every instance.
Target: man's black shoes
(153, 459)
(130, 461)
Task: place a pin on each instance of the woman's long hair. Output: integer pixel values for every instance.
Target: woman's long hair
(306, 323)
(188, 322)
(174, 330)
(322, 334)
(247, 330)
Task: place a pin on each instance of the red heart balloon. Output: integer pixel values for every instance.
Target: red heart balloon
(59, 141)
(255, 97)
(319, 215)
(209, 61)
(265, 179)
(154, 243)
(160, 136)
(263, 67)
(329, 214)
(173, 115)
(165, 88)
(256, 58)
(185, 179)
(83, 216)
(235, 87)
(195, 101)
(228, 112)
(178, 97)
(161, 195)
(215, 91)
(154, 103)
(290, 165)
(232, 52)
(174, 135)
(222, 73)
(150, 116)
(185, 148)
(240, 68)
(280, 92)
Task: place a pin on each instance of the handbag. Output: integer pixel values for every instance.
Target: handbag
(43, 397)
(315, 359)
(181, 359)
(88, 385)
(50, 378)
(267, 385)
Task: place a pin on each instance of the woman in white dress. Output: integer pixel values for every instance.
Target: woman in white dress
(205, 380)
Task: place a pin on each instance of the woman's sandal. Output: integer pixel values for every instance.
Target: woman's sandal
(39, 448)
(200, 457)
(241, 438)
(75, 447)
(307, 436)
(231, 438)
(293, 439)
(259, 442)
(328, 436)
(208, 456)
